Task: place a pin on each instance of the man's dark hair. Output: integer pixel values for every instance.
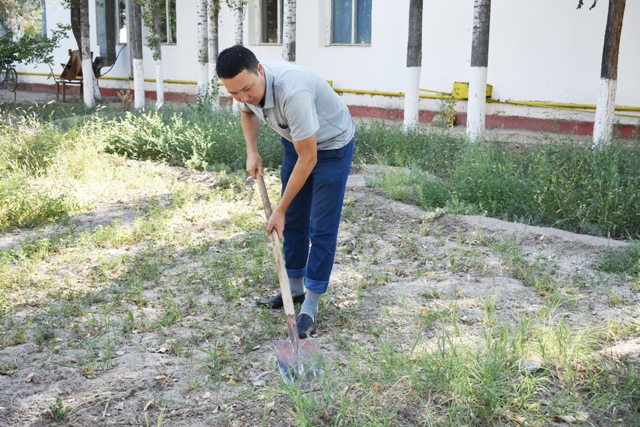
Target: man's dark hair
(235, 59)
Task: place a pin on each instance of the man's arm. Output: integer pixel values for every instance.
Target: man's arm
(307, 150)
(250, 128)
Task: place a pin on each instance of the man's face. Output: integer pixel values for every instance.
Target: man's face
(246, 86)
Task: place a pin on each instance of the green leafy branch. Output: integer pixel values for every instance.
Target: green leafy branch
(30, 48)
(151, 9)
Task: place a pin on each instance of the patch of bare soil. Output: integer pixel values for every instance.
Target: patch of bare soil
(395, 263)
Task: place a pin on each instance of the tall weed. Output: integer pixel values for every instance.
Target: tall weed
(570, 187)
(624, 261)
(563, 185)
(588, 191)
(26, 145)
(193, 137)
(51, 111)
(26, 205)
(28, 151)
(435, 152)
(560, 184)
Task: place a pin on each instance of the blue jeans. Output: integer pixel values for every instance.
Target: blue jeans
(313, 216)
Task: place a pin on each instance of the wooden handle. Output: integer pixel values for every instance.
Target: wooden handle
(287, 300)
(265, 197)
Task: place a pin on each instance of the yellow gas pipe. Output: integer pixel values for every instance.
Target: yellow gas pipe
(433, 94)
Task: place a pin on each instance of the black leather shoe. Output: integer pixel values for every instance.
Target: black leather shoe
(306, 326)
(276, 301)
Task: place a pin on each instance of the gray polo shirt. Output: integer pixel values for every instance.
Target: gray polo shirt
(299, 103)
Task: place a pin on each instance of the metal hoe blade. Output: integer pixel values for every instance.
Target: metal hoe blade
(305, 365)
(298, 360)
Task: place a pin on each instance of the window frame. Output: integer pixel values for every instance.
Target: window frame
(354, 25)
(263, 36)
(171, 11)
(122, 28)
(168, 38)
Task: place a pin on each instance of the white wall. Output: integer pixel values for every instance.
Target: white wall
(542, 50)
(180, 59)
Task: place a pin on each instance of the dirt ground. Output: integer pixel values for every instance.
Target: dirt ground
(408, 254)
(392, 259)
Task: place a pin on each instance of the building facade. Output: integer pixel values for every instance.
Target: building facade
(544, 56)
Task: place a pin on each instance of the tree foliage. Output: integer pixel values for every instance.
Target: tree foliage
(22, 41)
(581, 3)
(21, 16)
(30, 49)
(150, 13)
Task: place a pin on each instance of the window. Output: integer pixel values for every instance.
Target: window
(167, 15)
(272, 18)
(121, 21)
(351, 22)
(168, 21)
(43, 17)
(107, 30)
(27, 18)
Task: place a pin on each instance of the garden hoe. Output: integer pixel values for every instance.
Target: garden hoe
(297, 359)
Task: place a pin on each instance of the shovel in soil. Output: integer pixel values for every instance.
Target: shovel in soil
(297, 359)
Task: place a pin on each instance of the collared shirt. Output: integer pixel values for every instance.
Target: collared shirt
(299, 103)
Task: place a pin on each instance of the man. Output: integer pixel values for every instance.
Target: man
(317, 133)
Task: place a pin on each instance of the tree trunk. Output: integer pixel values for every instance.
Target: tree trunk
(214, 13)
(203, 51)
(606, 104)
(136, 53)
(239, 10)
(414, 65)
(477, 105)
(76, 17)
(85, 52)
(157, 48)
(289, 36)
(97, 96)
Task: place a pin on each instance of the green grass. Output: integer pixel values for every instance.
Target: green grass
(193, 137)
(560, 184)
(130, 256)
(47, 111)
(565, 185)
(624, 261)
(487, 382)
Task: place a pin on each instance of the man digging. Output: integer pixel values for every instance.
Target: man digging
(317, 133)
